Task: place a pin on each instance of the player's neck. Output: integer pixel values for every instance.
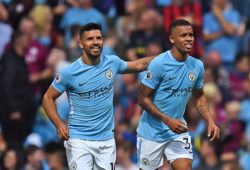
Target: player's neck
(90, 60)
(178, 54)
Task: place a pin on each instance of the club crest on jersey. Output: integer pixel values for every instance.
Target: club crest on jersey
(109, 74)
(191, 76)
(73, 165)
(145, 161)
(58, 77)
(148, 75)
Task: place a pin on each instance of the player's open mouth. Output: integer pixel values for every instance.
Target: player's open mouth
(95, 49)
(188, 46)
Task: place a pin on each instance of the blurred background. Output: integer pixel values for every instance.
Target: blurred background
(40, 37)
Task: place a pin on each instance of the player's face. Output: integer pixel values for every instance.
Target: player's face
(182, 39)
(92, 43)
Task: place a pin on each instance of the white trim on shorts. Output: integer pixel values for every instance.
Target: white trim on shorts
(151, 154)
(88, 155)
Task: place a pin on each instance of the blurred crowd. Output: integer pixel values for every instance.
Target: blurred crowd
(38, 38)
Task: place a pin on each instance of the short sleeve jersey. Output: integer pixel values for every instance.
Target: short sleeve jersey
(173, 82)
(90, 92)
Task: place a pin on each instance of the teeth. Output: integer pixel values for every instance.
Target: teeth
(188, 45)
(95, 49)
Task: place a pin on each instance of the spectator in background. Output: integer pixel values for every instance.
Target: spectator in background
(75, 15)
(149, 30)
(57, 160)
(42, 15)
(232, 132)
(74, 50)
(106, 7)
(59, 7)
(231, 165)
(209, 152)
(55, 156)
(124, 162)
(34, 158)
(214, 98)
(35, 58)
(16, 94)
(12, 159)
(4, 28)
(128, 23)
(110, 43)
(216, 73)
(17, 10)
(221, 31)
(238, 74)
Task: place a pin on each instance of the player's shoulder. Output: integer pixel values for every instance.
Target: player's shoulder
(161, 57)
(71, 67)
(111, 59)
(195, 62)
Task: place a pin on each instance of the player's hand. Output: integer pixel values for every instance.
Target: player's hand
(177, 126)
(63, 131)
(213, 132)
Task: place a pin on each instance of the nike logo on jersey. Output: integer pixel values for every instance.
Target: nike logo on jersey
(81, 84)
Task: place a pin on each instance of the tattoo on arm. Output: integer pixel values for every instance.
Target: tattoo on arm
(145, 100)
(201, 104)
(203, 108)
(138, 65)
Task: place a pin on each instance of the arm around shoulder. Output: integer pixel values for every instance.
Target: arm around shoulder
(138, 65)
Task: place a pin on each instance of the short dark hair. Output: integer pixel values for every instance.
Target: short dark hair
(88, 27)
(178, 22)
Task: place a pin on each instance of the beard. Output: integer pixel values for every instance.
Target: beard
(92, 53)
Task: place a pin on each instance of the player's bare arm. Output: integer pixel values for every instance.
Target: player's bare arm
(50, 108)
(145, 101)
(201, 104)
(138, 65)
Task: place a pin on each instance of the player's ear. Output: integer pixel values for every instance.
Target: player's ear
(80, 45)
(171, 39)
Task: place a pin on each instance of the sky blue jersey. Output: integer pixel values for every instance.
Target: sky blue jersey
(90, 92)
(173, 82)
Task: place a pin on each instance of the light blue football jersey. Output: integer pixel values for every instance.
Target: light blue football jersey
(90, 92)
(173, 82)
